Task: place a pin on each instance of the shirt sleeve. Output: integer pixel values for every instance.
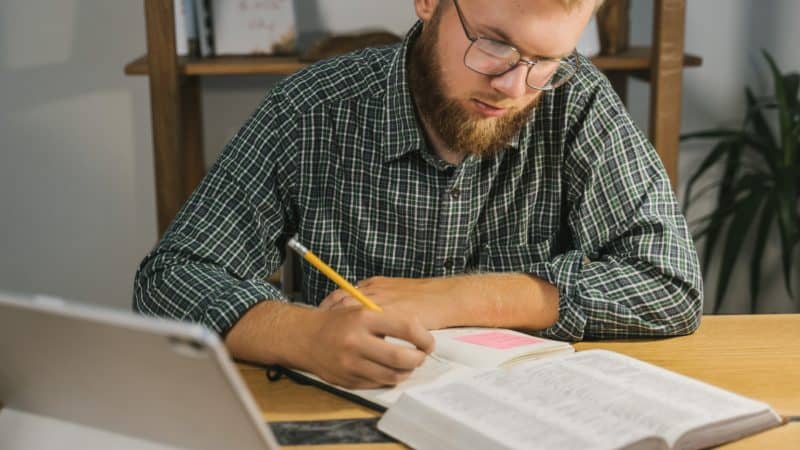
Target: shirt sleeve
(210, 267)
(632, 268)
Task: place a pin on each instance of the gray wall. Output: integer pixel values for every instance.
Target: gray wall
(76, 183)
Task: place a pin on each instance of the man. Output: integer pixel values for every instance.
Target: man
(482, 173)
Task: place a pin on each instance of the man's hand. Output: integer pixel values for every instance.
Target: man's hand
(425, 298)
(347, 347)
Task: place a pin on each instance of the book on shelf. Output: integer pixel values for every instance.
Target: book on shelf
(584, 400)
(244, 27)
(191, 27)
(458, 353)
(185, 28)
(204, 24)
(254, 27)
(182, 20)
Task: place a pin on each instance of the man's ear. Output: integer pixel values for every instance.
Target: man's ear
(425, 9)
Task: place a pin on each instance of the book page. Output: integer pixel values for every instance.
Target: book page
(583, 400)
(700, 404)
(547, 405)
(492, 347)
(508, 424)
(433, 369)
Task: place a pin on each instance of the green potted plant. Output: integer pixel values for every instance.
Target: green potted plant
(760, 184)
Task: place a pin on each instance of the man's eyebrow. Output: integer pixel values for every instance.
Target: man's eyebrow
(506, 40)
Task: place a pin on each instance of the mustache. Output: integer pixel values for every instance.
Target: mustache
(498, 101)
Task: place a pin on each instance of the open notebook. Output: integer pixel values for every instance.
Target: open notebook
(584, 400)
(458, 353)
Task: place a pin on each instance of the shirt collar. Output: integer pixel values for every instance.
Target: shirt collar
(402, 133)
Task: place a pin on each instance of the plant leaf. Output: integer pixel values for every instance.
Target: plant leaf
(716, 153)
(713, 133)
(762, 188)
(703, 191)
(784, 114)
(771, 154)
(735, 238)
(728, 209)
(725, 196)
(792, 83)
(715, 220)
(767, 216)
(788, 223)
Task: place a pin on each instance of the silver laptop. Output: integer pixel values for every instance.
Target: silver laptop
(76, 376)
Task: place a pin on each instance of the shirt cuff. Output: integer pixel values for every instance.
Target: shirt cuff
(223, 313)
(564, 273)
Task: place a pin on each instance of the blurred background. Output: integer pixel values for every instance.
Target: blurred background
(77, 198)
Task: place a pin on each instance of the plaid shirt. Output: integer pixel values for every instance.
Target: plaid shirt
(335, 153)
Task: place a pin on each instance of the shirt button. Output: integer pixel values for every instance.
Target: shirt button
(455, 193)
(448, 263)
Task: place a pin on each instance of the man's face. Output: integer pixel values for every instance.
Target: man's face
(476, 113)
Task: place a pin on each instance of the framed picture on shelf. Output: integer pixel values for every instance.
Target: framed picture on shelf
(254, 27)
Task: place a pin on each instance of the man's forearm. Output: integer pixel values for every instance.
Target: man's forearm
(508, 300)
(271, 333)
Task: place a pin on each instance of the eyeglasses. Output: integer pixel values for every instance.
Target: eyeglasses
(490, 57)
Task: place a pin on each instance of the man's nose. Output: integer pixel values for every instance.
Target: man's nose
(512, 83)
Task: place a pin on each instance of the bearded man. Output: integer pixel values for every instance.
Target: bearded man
(482, 173)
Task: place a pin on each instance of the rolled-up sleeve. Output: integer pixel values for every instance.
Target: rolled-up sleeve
(632, 268)
(211, 265)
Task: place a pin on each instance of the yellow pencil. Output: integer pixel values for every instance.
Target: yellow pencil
(309, 256)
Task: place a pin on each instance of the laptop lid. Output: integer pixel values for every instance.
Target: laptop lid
(164, 381)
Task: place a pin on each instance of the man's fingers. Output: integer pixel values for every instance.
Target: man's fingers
(403, 327)
(348, 302)
(392, 356)
(333, 299)
(380, 375)
(409, 329)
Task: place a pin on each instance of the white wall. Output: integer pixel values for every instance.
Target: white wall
(77, 206)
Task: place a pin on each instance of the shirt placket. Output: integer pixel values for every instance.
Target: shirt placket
(454, 221)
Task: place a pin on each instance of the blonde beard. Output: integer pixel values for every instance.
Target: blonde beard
(459, 129)
(487, 136)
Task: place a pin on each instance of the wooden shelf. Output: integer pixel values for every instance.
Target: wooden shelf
(634, 59)
(226, 65)
(637, 59)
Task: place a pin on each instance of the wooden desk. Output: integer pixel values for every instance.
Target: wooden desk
(757, 356)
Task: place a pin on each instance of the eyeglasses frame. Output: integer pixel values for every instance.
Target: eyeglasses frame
(530, 63)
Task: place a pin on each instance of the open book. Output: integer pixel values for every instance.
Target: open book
(585, 400)
(458, 353)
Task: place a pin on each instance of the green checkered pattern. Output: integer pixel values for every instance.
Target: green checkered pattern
(335, 154)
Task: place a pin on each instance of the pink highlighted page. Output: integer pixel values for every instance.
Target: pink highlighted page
(499, 340)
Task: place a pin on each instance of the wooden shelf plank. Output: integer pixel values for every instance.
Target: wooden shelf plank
(634, 59)
(226, 65)
(137, 67)
(637, 59)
